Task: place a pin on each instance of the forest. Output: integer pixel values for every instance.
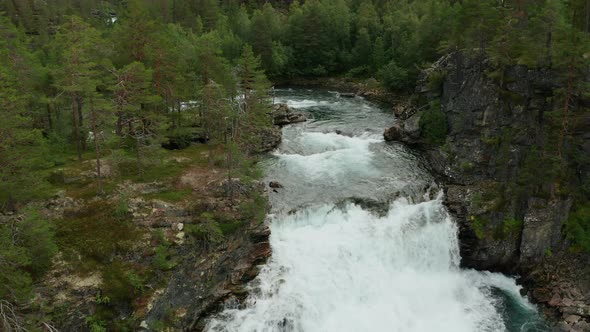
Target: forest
(126, 81)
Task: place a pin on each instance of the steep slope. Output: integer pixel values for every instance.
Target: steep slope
(493, 136)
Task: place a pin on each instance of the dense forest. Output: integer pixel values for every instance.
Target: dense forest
(124, 80)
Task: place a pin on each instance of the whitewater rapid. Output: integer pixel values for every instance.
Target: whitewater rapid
(337, 266)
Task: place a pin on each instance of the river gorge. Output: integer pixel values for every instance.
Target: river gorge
(360, 238)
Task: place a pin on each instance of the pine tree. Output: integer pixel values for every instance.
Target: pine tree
(19, 139)
(254, 88)
(133, 104)
(78, 44)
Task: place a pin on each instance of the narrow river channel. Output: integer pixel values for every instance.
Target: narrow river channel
(361, 241)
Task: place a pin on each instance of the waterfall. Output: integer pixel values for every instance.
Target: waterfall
(338, 267)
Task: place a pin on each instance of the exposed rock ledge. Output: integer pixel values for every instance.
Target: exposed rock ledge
(283, 115)
(492, 127)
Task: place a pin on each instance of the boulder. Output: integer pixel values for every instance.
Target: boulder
(347, 95)
(275, 184)
(283, 115)
(394, 133)
(270, 139)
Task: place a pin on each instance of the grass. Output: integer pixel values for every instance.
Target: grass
(171, 196)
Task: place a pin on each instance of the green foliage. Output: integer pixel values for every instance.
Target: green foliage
(395, 77)
(433, 124)
(436, 79)
(207, 231)
(38, 236)
(578, 227)
(163, 259)
(96, 324)
(508, 227)
(27, 250)
(102, 299)
(478, 224)
(467, 166)
(120, 284)
(96, 233)
(254, 209)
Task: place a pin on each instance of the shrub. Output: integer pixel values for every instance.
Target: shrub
(578, 227)
(433, 124)
(478, 225)
(395, 77)
(253, 209)
(163, 260)
(26, 252)
(38, 236)
(120, 283)
(207, 231)
(436, 79)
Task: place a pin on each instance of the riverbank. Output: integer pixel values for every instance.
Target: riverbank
(333, 255)
(369, 88)
(155, 251)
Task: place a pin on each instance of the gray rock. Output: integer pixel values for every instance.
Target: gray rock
(270, 139)
(572, 319)
(542, 228)
(393, 133)
(283, 115)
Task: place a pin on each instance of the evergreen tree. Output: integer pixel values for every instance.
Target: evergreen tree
(254, 88)
(134, 102)
(76, 75)
(20, 140)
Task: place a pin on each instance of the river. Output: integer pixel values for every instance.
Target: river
(361, 240)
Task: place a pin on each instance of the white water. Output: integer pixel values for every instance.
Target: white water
(339, 268)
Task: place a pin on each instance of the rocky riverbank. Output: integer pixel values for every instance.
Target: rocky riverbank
(488, 136)
(149, 255)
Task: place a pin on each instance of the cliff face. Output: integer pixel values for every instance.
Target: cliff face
(500, 166)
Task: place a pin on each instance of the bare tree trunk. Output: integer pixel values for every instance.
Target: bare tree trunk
(76, 128)
(93, 121)
(79, 102)
(138, 154)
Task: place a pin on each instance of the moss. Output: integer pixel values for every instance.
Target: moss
(96, 232)
(509, 227)
(478, 224)
(467, 166)
(491, 141)
(164, 258)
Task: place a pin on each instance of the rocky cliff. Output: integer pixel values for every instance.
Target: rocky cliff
(495, 139)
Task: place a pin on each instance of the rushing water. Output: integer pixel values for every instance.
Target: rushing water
(341, 263)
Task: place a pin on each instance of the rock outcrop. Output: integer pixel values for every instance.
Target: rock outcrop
(498, 165)
(283, 115)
